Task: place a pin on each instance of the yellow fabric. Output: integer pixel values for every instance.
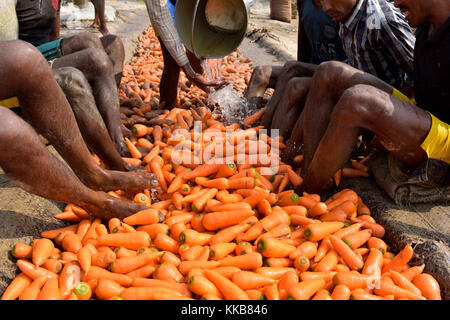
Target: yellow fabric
(10, 103)
(437, 142)
(401, 96)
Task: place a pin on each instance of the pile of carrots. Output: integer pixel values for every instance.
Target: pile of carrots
(224, 227)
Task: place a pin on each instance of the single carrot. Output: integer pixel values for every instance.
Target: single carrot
(17, 286)
(354, 261)
(229, 234)
(229, 290)
(341, 292)
(199, 204)
(106, 289)
(203, 170)
(53, 265)
(428, 286)
(373, 263)
(337, 178)
(50, 290)
(192, 237)
(51, 234)
(310, 275)
(33, 272)
(357, 239)
(400, 260)
(201, 286)
(322, 294)
(21, 251)
(304, 290)
(412, 272)
(221, 250)
(134, 151)
(318, 231)
(273, 248)
(223, 219)
(307, 248)
(302, 263)
(271, 292)
(251, 260)
(328, 263)
(84, 256)
(156, 168)
(32, 291)
(163, 242)
(128, 264)
(134, 241)
(146, 216)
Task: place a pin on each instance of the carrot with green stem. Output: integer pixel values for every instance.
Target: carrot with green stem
(318, 231)
(354, 261)
(273, 248)
(357, 239)
(106, 289)
(201, 286)
(21, 251)
(221, 250)
(400, 260)
(199, 204)
(32, 271)
(193, 238)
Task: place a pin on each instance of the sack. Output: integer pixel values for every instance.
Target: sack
(281, 10)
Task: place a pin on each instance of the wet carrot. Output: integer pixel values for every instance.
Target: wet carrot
(21, 251)
(428, 286)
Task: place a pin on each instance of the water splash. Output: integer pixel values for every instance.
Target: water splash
(230, 105)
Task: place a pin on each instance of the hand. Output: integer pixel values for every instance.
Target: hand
(200, 80)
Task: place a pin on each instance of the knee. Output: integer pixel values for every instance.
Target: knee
(329, 73)
(89, 40)
(112, 43)
(261, 74)
(359, 104)
(27, 59)
(297, 87)
(69, 78)
(99, 61)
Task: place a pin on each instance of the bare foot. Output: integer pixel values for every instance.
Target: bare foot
(94, 25)
(112, 207)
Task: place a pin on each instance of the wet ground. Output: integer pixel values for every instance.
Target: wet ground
(427, 227)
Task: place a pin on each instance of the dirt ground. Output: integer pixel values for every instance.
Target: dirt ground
(426, 227)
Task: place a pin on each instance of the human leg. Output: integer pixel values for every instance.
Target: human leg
(98, 70)
(328, 83)
(399, 126)
(290, 70)
(290, 105)
(168, 86)
(100, 19)
(28, 163)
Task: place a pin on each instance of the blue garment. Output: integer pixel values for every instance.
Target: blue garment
(322, 34)
(172, 4)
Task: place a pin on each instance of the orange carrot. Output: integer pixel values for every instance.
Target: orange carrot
(387, 288)
(412, 272)
(328, 263)
(341, 292)
(192, 237)
(271, 292)
(21, 251)
(50, 290)
(17, 286)
(134, 241)
(305, 289)
(350, 257)
(106, 289)
(223, 219)
(400, 260)
(357, 239)
(33, 272)
(228, 234)
(32, 291)
(352, 280)
(128, 264)
(271, 247)
(247, 261)
(228, 289)
(318, 231)
(221, 250)
(428, 286)
(134, 151)
(146, 216)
